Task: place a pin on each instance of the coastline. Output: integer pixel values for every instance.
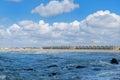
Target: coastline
(54, 50)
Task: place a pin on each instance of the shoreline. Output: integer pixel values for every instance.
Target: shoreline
(63, 49)
(55, 50)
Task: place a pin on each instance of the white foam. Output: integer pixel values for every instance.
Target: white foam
(109, 73)
(2, 77)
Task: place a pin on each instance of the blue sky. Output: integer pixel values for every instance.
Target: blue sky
(16, 11)
(67, 22)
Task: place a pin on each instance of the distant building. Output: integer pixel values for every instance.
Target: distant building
(83, 47)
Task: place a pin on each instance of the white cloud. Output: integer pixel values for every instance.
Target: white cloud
(55, 7)
(28, 25)
(14, 27)
(103, 27)
(102, 20)
(15, 0)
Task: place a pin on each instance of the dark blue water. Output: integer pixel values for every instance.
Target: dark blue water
(58, 66)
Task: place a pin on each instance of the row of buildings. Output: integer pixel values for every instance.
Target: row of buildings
(83, 47)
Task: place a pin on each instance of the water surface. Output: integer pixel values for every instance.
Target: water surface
(58, 66)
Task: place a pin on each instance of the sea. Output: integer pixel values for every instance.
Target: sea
(59, 66)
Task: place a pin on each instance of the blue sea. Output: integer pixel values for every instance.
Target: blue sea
(59, 66)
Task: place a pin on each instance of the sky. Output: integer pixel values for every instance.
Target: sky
(36, 23)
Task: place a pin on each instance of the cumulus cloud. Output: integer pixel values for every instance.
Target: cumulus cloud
(55, 7)
(103, 27)
(15, 0)
(102, 20)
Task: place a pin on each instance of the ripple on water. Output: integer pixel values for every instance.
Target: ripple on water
(58, 66)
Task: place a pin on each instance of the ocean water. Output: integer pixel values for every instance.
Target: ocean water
(59, 66)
